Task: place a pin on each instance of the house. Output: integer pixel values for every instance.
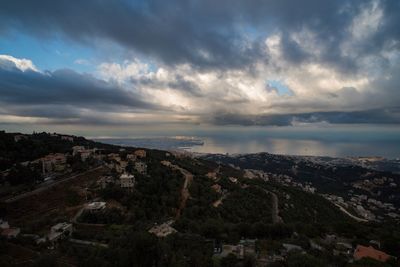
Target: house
(53, 163)
(127, 180)
(59, 232)
(77, 149)
(7, 231)
(11, 232)
(217, 247)
(245, 247)
(114, 156)
(315, 245)
(217, 188)
(140, 153)
(163, 230)
(4, 225)
(141, 167)
(233, 180)
(290, 247)
(118, 168)
(121, 166)
(237, 250)
(96, 206)
(369, 252)
(84, 153)
(20, 137)
(67, 138)
(131, 157)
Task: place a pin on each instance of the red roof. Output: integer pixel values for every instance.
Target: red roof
(10, 232)
(370, 252)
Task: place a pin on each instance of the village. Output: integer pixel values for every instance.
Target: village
(121, 168)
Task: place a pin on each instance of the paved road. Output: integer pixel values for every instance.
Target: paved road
(349, 214)
(44, 188)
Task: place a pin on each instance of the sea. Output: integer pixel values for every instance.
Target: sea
(361, 141)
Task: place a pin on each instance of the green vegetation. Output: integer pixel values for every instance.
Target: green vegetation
(38, 145)
(153, 199)
(222, 208)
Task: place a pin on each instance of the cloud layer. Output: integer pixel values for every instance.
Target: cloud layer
(209, 62)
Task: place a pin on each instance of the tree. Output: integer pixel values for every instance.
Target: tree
(229, 261)
(304, 260)
(249, 261)
(22, 175)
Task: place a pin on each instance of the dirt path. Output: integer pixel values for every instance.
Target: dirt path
(185, 188)
(275, 206)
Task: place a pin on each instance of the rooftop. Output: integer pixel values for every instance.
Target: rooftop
(370, 252)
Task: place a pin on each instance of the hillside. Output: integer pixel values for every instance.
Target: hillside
(187, 211)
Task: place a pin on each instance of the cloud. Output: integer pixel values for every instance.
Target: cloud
(81, 61)
(62, 96)
(210, 62)
(217, 34)
(60, 87)
(373, 116)
(10, 63)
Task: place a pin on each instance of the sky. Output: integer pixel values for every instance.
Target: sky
(104, 67)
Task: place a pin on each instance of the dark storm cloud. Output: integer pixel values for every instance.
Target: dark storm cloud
(179, 83)
(185, 86)
(375, 116)
(204, 33)
(63, 88)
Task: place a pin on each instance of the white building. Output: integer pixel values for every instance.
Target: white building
(60, 231)
(67, 138)
(19, 137)
(163, 230)
(127, 180)
(96, 206)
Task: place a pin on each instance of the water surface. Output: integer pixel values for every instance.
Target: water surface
(314, 141)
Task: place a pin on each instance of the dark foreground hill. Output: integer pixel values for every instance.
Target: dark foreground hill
(190, 211)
